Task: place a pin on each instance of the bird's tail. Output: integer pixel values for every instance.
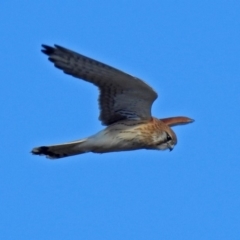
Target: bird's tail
(63, 150)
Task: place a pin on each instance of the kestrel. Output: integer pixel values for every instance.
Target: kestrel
(125, 108)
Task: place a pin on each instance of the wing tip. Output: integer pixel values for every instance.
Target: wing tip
(48, 50)
(174, 121)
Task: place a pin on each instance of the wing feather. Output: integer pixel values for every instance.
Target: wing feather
(122, 96)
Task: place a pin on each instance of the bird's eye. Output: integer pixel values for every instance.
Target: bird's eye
(168, 137)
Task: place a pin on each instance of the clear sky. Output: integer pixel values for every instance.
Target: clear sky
(189, 52)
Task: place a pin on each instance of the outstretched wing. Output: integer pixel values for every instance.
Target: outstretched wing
(122, 96)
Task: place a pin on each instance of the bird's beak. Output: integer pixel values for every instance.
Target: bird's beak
(170, 147)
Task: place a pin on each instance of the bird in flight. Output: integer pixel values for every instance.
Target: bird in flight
(125, 109)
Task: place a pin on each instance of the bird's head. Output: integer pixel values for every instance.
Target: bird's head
(167, 139)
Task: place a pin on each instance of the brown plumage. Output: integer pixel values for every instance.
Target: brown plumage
(125, 108)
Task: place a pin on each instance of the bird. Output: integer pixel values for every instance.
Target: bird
(125, 104)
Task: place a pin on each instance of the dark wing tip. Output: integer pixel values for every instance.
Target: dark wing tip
(47, 50)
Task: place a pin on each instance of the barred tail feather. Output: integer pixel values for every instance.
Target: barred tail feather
(62, 150)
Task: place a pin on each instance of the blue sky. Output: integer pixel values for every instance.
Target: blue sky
(189, 52)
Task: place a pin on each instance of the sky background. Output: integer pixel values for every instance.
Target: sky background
(189, 52)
